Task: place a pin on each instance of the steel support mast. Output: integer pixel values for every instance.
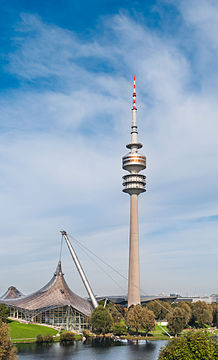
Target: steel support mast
(80, 269)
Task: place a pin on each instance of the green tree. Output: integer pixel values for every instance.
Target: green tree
(7, 350)
(121, 309)
(101, 320)
(147, 320)
(155, 307)
(159, 308)
(214, 307)
(133, 317)
(177, 321)
(115, 313)
(192, 345)
(119, 328)
(140, 318)
(4, 313)
(187, 309)
(202, 314)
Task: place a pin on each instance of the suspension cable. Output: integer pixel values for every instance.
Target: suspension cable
(112, 268)
(104, 262)
(100, 267)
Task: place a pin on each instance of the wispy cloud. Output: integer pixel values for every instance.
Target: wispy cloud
(63, 132)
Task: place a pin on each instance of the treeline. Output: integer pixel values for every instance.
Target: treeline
(181, 315)
(120, 320)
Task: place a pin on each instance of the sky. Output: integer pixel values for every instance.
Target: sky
(66, 83)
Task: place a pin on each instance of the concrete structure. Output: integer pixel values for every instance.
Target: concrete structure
(134, 184)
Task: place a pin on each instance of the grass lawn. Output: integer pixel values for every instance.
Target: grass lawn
(21, 331)
(159, 334)
(158, 330)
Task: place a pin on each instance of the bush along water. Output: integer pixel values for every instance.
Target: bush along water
(67, 337)
(47, 339)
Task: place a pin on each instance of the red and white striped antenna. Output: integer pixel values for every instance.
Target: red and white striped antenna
(134, 96)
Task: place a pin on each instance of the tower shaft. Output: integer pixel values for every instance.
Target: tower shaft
(134, 269)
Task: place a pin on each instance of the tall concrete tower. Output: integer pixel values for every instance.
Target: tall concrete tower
(134, 184)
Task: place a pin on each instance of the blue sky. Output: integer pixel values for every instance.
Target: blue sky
(66, 85)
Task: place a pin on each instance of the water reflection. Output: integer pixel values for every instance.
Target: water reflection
(92, 350)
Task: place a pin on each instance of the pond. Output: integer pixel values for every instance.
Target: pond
(92, 350)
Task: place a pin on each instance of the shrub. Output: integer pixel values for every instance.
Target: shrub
(44, 339)
(48, 339)
(78, 337)
(67, 337)
(39, 339)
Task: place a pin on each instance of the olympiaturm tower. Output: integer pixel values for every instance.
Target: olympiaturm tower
(134, 184)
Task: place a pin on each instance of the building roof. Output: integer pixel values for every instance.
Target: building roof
(12, 293)
(56, 293)
(123, 299)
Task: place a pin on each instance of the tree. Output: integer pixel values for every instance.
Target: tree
(192, 345)
(140, 318)
(187, 309)
(119, 328)
(4, 313)
(214, 307)
(155, 307)
(201, 314)
(147, 320)
(101, 320)
(121, 309)
(159, 308)
(7, 350)
(115, 313)
(177, 320)
(133, 317)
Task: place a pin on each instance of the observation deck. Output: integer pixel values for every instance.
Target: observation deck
(134, 183)
(134, 162)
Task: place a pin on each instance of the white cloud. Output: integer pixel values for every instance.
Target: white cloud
(64, 131)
